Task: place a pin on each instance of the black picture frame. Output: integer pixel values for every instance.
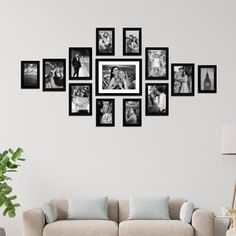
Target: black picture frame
(81, 112)
(100, 91)
(162, 77)
(25, 83)
(185, 67)
(80, 50)
(53, 62)
(98, 112)
(150, 108)
(214, 80)
(139, 117)
(125, 53)
(104, 53)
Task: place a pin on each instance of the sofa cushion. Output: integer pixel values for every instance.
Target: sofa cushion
(81, 228)
(50, 212)
(186, 212)
(92, 208)
(155, 228)
(149, 208)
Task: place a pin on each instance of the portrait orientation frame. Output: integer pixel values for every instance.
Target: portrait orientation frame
(113, 41)
(60, 60)
(90, 99)
(98, 124)
(139, 100)
(22, 74)
(147, 112)
(140, 41)
(167, 63)
(173, 93)
(117, 62)
(214, 67)
(90, 63)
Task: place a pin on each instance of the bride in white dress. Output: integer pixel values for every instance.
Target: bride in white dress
(184, 84)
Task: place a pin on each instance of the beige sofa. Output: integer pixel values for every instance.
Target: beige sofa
(118, 223)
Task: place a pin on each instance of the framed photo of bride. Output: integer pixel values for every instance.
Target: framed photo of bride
(182, 79)
(118, 77)
(157, 63)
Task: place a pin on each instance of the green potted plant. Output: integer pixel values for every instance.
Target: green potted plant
(9, 162)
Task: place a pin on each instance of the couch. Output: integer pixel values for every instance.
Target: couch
(118, 224)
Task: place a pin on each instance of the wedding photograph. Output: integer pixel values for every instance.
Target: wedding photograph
(132, 112)
(80, 99)
(207, 79)
(80, 63)
(132, 41)
(30, 73)
(157, 63)
(157, 99)
(54, 75)
(182, 79)
(105, 112)
(118, 77)
(105, 41)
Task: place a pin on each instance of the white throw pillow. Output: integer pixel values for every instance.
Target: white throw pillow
(50, 212)
(88, 208)
(186, 212)
(149, 208)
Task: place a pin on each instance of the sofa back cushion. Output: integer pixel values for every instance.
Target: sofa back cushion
(174, 208)
(149, 208)
(62, 209)
(89, 208)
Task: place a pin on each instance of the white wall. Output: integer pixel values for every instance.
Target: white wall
(177, 155)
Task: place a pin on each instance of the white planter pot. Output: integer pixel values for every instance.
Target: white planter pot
(2, 232)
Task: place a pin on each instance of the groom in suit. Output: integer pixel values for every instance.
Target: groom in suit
(76, 64)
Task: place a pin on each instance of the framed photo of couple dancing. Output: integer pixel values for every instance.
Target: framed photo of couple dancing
(54, 75)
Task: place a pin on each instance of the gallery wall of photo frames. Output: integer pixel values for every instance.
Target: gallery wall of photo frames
(118, 77)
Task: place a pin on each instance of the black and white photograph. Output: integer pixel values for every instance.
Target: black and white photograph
(157, 63)
(207, 79)
(54, 74)
(105, 41)
(157, 99)
(132, 112)
(182, 76)
(80, 63)
(80, 99)
(132, 41)
(30, 72)
(118, 77)
(105, 112)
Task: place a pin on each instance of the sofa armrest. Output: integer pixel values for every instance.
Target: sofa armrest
(33, 222)
(203, 222)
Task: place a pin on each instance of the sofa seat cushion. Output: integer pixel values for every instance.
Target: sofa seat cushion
(155, 228)
(81, 228)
